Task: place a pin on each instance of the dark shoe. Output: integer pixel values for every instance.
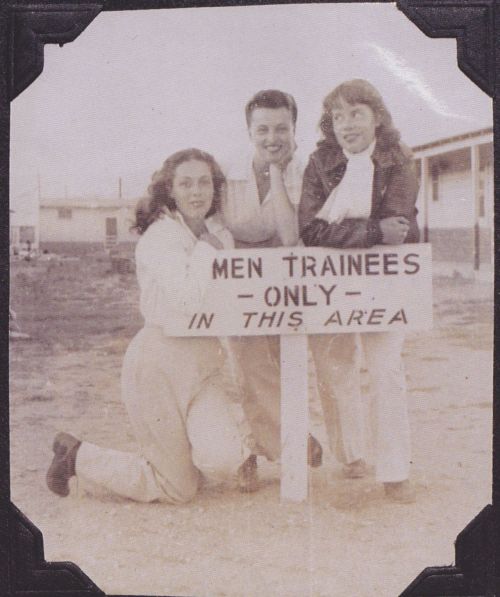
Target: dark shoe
(248, 477)
(355, 470)
(401, 491)
(314, 452)
(62, 467)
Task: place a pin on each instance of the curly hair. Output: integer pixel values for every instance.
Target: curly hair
(271, 98)
(358, 91)
(150, 208)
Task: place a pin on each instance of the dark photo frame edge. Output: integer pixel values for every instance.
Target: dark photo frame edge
(24, 30)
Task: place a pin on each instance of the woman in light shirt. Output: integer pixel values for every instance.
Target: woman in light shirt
(186, 427)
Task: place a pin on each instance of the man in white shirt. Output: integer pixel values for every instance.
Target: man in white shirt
(264, 191)
(260, 210)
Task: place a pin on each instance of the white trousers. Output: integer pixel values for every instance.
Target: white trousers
(337, 361)
(183, 420)
(216, 450)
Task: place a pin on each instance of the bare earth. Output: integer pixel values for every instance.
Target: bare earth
(345, 540)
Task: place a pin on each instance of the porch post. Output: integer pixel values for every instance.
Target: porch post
(425, 195)
(474, 167)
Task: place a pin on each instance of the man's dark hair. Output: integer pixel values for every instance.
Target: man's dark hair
(271, 98)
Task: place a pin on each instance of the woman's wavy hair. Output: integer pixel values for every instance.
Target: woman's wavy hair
(358, 91)
(150, 208)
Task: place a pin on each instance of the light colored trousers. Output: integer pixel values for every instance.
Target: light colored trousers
(338, 367)
(182, 419)
(258, 363)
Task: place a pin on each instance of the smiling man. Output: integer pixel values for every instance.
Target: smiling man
(260, 210)
(264, 192)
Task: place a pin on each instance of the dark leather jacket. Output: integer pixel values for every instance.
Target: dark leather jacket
(395, 191)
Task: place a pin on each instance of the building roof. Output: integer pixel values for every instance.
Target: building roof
(454, 139)
(88, 203)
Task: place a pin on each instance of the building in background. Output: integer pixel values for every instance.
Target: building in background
(67, 225)
(456, 200)
(23, 234)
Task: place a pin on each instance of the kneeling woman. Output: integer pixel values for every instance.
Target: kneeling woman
(184, 423)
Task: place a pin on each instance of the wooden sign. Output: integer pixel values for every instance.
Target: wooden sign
(313, 291)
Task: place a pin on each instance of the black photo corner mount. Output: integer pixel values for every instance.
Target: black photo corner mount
(25, 28)
(33, 26)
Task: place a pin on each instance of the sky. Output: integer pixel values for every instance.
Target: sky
(136, 86)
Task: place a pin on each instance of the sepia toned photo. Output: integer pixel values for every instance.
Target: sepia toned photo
(251, 301)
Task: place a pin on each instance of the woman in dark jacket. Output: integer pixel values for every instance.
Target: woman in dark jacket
(360, 190)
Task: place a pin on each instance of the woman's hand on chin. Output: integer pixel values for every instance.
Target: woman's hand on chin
(394, 230)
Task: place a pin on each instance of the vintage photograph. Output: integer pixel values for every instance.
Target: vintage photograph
(251, 301)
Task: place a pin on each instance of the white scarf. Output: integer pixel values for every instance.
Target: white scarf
(352, 198)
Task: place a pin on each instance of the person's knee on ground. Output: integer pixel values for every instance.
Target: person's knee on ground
(103, 471)
(217, 447)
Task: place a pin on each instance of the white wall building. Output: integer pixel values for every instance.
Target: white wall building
(456, 198)
(91, 221)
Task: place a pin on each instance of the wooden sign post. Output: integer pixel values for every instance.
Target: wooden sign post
(292, 292)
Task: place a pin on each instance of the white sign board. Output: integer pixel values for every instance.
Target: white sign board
(311, 290)
(303, 290)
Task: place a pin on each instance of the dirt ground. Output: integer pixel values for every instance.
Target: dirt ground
(345, 540)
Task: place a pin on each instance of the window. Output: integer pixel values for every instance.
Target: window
(64, 213)
(485, 155)
(418, 171)
(27, 234)
(435, 182)
(111, 227)
(481, 201)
